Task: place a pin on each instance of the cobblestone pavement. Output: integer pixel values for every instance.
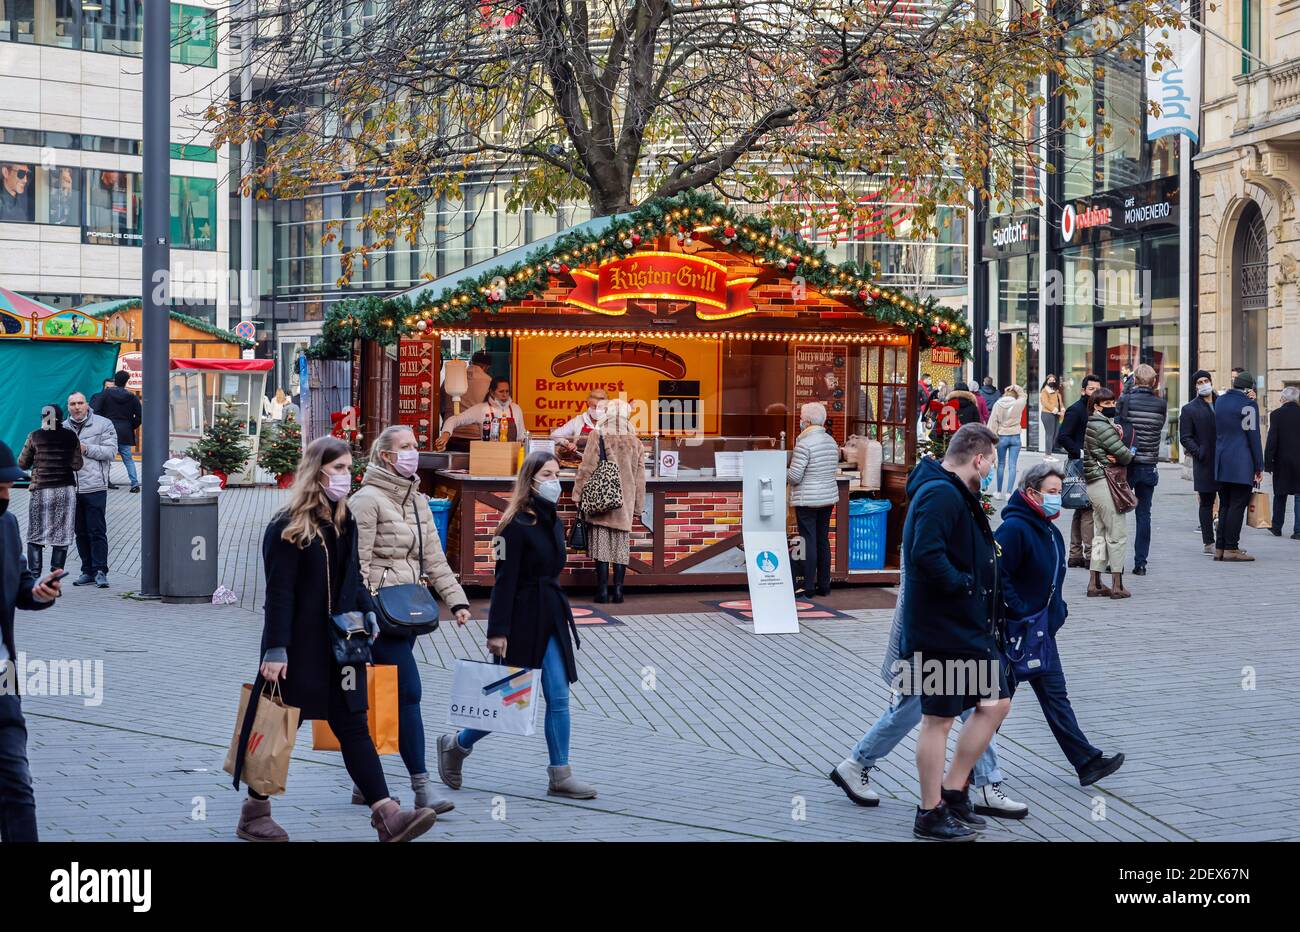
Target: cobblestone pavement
(736, 736)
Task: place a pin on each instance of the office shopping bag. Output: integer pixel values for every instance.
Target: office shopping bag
(1260, 511)
(494, 697)
(381, 696)
(263, 741)
(1074, 491)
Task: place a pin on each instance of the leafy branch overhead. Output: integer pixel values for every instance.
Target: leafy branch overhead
(410, 107)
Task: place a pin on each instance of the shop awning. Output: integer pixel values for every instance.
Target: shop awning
(224, 365)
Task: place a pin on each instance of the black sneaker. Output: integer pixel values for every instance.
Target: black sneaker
(135, 488)
(1100, 767)
(1275, 531)
(1296, 536)
(937, 824)
(85, 579)
(1140, 570)
(958, 803)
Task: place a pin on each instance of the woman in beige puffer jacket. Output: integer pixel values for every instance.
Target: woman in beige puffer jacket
(387, 508)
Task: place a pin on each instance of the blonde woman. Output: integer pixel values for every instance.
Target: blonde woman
(529, 622)
(394, 525)
(1004, 420)
(310, 554)
(609, 535)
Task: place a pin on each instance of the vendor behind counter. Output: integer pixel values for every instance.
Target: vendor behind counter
(496, 411)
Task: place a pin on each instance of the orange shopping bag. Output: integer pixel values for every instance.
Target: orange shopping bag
(381, 692)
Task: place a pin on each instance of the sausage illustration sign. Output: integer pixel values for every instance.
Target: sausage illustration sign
(554, 375)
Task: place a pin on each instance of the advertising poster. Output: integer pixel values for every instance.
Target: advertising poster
(821, 374)
(415, 389)
(672, 385)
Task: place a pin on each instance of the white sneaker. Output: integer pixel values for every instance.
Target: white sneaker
(854, 780)
(991, 801)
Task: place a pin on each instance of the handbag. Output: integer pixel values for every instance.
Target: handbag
(578, 535)
(1121, 492)
(1029, 645)
(408, 609)
(604, 489)
(350, 632)
(1074, 491)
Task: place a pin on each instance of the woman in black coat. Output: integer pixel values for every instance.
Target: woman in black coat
(312, 572)
(53, 454)
(1282, 458)
(529, 621)
(1197, 433)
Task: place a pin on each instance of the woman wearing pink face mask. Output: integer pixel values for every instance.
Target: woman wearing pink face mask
(310, 553)
(387, 508)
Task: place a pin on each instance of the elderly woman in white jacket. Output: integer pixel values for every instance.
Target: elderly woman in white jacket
(814, 492)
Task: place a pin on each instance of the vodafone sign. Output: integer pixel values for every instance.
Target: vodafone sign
(1118, 212)
(1073, 220)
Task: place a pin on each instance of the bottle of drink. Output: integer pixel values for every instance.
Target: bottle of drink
(487, 425)
(504, 429)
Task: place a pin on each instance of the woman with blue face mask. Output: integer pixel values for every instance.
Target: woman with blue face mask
(530, 623)
(1032, 576)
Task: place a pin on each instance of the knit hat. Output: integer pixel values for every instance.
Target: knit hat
(1244, 381)
(1201, 374)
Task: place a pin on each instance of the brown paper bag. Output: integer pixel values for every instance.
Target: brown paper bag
(1260, 512)
(381, 692)
(270, 743)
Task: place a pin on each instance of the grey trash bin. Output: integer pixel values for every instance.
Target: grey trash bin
(187, 558)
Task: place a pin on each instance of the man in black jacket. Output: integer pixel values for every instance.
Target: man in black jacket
(18, 589)
(949, 611)
(1074, 427)
(122, 407)
(1197, 434)
(1282, 458)
(1142, 410)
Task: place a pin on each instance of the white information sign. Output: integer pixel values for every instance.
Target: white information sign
(767, 550)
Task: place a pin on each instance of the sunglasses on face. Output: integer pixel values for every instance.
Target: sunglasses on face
(21, 174)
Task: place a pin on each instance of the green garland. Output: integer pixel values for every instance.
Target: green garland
(195, 322)
(385, 320)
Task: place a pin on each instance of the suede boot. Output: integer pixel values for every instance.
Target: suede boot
(394, 824)
(451, 757)
(256, 824)
(562, 783)
(602, 581)
(424, 797)
(620, 569)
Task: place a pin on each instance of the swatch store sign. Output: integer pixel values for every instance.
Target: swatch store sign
(1011, 236)
(1118, 213)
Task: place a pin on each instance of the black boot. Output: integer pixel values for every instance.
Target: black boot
(958, 803)
(602, 581)
(35, 557)
(619, 570)
(937, 824)
(58, 557)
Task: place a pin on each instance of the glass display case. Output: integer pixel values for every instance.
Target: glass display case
(200, 389)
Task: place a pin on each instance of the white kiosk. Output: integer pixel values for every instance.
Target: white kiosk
(767, 550)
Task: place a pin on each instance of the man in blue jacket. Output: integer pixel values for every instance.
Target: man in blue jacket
(950, 602)
(18, 589)
(1238, 464)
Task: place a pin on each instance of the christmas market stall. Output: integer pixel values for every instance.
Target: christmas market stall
(715, 327)
(222, 396)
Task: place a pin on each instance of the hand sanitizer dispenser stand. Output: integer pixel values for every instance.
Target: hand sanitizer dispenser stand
(767, 550)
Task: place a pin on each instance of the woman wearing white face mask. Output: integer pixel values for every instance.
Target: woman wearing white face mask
(530, 622)
(310, 554)
(395, 529)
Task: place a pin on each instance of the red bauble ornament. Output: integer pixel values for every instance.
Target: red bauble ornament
(862, 295)
(729, 232)
(791, 265)
(636, 239)
(934, 328)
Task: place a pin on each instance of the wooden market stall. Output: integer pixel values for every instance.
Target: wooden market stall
(716, 329)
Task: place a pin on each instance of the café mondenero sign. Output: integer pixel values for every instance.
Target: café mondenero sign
(662, 275)
(1116, 213)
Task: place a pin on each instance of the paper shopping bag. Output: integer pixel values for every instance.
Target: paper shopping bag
(1260, 512)
(270, 741)
(494, 697)
(381, 694)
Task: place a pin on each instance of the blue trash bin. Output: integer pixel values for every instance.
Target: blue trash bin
(441, 508)
(868, 526)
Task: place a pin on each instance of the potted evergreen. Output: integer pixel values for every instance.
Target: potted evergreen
(223, 450)
(281, 450)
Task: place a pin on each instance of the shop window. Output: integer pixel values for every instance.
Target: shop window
(193, 213)
(32, 194)
(117, 28)
(194, 36)
(39, 22)
(882, 404)
(190, 153)
(112, 214)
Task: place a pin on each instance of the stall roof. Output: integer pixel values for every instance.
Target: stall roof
(224, 365)
(101, 309)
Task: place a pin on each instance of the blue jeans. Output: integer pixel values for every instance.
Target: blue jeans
(410, 724)
(1008, 453)
(17, 804)
(124, 451)
(899, 719)
(1143, 477)
(555, 686)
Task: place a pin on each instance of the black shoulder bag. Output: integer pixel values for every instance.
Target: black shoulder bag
(408, 610)
(350, 632)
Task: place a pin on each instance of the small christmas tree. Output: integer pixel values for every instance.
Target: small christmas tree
(281, 449)
(224, 447)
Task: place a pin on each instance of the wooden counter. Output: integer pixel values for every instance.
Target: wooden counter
(691, 535)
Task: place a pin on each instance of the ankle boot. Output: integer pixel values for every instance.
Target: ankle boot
(1095, 587)
(393, 823)
(451, 757)
(35, 557)
(256, 824)
(424, 797)
(602, 581)
(58, 557)
(562, 783)
(619, 570)
(1117, 587)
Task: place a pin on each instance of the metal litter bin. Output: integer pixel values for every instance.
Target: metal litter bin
(187, 558)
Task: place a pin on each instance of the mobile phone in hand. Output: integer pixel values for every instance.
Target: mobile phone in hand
(56, 575)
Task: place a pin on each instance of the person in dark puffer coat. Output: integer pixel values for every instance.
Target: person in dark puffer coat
(1282, 458)
(1144, 412)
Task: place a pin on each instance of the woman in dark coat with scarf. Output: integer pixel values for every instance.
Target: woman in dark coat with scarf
(1282, 458)
(529, 621)
(53, 454)
(1197, 434)
(312, 572)
(1031, 574)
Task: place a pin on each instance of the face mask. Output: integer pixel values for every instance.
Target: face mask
(1204, 390)
(548, 490)
(1051, 504)
(1107, 412)
(337, 486)
(407, 463)
(986, 479)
